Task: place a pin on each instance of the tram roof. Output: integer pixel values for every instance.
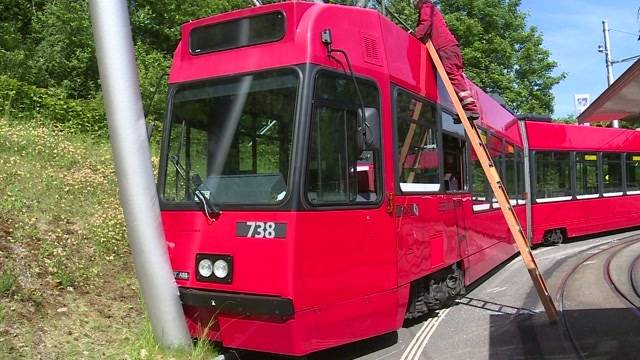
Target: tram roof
(621, 101)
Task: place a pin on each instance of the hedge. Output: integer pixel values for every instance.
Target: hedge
(23, 102)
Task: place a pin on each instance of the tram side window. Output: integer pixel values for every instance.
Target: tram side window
(612, 173)
(419, 148)
(496, 149)
(586, 175)
(520, 188)
(553, 178)
(510, 172)
(338, 171)
(481, 190)
(633, 173)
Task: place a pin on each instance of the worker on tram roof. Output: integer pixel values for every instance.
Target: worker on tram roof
(431, 25)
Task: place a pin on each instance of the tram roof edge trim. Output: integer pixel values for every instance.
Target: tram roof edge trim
(619, 101)
(544, 136)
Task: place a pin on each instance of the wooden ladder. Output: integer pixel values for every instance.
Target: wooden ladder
(499, 190)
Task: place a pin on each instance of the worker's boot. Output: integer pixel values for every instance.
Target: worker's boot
(469, 105)
(472, 115)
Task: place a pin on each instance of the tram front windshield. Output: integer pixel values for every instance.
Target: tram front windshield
(231, 140)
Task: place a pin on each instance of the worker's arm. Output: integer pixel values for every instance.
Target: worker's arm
(423, 30)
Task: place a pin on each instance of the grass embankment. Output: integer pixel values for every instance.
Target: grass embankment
(67, 285)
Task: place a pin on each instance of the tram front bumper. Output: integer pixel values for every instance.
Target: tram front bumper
(255, 307)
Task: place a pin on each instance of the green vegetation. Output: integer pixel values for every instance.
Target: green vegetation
(147, 348)
(569, 119)
(67, 288)
(49, 106)
(49, 44)
(7, 281)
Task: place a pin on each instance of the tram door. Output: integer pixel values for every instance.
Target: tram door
(455, 185)
(432, 188)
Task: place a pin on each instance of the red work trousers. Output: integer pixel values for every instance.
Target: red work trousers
(452, 62)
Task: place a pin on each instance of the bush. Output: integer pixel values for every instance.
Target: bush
(25, 102)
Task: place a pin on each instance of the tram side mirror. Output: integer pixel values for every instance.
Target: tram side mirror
(369, 139)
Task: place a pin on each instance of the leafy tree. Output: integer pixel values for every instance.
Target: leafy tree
(156, 23)
(502, 53)
(153, 66)
(64, 55)
(15, 21)
(15, 27)
(49, 43)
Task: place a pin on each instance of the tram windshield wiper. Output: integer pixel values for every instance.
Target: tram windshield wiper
(209, 207)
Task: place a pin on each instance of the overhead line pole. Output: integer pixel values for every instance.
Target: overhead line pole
(608, 61)
(132, 158)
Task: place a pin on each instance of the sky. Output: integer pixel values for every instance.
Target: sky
(572, 31)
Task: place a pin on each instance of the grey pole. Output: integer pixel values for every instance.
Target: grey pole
(120, 85)
(527, 178)
(608, 61)
(607, 52)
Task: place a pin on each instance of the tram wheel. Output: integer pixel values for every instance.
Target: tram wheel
(442, 293)
(435, 291)
(554, 237)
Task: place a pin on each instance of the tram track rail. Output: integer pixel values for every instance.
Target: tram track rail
(619, 245)
(635, 268)
(612, 284)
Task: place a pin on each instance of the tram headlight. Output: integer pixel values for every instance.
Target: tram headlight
(221, 269)
(216, 268)
(205, 267)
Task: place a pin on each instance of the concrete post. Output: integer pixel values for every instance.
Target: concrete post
(122, 99)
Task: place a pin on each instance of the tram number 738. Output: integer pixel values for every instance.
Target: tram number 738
(261, 229)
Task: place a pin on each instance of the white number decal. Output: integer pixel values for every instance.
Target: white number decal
(271, 230)
(259, 229)
(252, 225)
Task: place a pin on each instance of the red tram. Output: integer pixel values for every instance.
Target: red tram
(585, 180)
(316, 189)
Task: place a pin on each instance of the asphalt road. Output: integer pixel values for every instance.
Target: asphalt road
(502, 318)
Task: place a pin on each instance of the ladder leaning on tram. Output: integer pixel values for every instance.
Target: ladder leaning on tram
(445, 53)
